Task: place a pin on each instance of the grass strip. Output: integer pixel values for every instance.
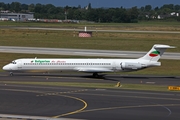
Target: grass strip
(95, 85)
(100, 40)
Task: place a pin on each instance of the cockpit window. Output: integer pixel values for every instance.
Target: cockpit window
(13, 62)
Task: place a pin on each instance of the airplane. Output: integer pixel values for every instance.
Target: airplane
(93, 66)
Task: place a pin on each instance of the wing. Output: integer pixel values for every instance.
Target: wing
(94, 70)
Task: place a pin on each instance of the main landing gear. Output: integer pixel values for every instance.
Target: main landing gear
(95, 75)
(11, 74)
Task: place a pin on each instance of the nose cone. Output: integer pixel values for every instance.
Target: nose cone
(6, 68)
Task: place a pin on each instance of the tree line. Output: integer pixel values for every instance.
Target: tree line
(105, 15)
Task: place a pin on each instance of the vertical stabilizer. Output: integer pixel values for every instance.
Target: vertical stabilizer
(156, 52)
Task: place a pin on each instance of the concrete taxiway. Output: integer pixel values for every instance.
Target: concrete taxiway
(23, 101)
(95, 30)
(83, 52)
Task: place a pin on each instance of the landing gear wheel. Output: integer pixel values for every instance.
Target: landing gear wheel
(95, 75)
(11, 74)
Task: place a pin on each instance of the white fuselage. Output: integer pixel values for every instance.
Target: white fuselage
(81, 65)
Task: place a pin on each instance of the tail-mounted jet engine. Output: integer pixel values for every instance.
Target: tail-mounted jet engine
(132, 66)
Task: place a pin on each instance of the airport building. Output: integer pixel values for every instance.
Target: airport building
(16, 16)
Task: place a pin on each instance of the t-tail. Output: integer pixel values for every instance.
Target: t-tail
(155, 53)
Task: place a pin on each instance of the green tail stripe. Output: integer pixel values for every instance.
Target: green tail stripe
(156, 52)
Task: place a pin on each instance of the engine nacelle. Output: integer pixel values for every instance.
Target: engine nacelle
(131, 66)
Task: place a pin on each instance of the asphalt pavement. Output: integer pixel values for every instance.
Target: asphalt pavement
(83, 52)
(87, 103)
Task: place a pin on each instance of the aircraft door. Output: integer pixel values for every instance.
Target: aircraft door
(116, 66)
(19, 65)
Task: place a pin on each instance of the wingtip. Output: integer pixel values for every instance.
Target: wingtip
(172, 47)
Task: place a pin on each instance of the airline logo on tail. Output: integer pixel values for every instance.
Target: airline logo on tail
(154, 53)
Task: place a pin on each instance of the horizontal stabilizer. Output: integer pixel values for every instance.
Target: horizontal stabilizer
(163, 46)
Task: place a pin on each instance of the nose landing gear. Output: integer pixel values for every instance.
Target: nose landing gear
(11, 74)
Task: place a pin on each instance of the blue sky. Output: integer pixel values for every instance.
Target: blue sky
(100, 3)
